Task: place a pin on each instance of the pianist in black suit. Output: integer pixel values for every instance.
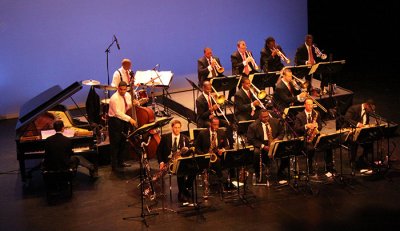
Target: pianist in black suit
(207, 66)
(357, 116)
(59, 154)
(171, 144)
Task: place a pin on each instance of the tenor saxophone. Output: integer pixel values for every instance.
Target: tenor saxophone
(312, 133)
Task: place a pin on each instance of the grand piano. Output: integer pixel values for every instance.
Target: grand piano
(36, 119)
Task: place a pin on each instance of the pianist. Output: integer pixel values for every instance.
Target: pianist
(59, 154)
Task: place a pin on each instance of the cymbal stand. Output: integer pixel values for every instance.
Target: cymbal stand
(142, 194)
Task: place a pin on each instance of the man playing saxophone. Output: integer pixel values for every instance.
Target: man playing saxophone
(308, 123)
(170, 145)
(261, 133)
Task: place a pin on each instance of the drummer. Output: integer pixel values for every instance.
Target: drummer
(124, 73)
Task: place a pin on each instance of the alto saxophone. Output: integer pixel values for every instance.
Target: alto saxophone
(312, 133)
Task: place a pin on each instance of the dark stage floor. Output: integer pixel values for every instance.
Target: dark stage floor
(360, 202)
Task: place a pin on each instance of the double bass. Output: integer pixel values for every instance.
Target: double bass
(144, 115)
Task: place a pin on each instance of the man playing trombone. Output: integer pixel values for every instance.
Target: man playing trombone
(208, 66)
(207, 107)
(247, 105)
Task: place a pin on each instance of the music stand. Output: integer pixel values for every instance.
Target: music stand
(191, 166)
(264, 80)
(327, 68)
(243, 126)
(299, 71)
(238, 158)
(225, 83)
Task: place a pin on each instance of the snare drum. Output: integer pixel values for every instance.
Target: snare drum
(142, 94)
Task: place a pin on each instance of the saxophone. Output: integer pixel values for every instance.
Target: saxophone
(312, 133)
(213, 158)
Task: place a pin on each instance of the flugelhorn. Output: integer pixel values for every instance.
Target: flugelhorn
(280, 54)
(217, 67)
(253, 61)
(319, 53)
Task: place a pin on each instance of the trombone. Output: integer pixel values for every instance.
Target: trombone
(219, 101)
(217, 67)
(304, 88)
(261, 94)
(253, 61)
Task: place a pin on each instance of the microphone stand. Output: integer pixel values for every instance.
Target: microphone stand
(108, 70)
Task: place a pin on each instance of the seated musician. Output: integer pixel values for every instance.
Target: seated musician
(260, 134)
(246, 105)
(243, 63)
(207, 108)
(207, 66)
(308, 123)
(170, 145)
(286, 94)
(213, 140)
(59, 155)
(270, 59)
(357, 116)
(119, 124)
(124, 73)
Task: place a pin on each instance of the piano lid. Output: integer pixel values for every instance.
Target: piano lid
(44, 102)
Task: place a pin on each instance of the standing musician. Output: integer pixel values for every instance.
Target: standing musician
(270, 56)
(170, 145)
(207, 108)
(308, 123)
(246, 105)
(124, 73)
(357, 116)
(213, 140)
(286, 94)
(308, 54)
(243, 63)
(260, 134)
(119, 123)
(208, 66)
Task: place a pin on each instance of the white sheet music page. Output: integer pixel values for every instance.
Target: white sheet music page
(151, 77)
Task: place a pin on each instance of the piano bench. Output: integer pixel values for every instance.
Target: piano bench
(58, 183)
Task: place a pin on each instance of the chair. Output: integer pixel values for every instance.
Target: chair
(58, 182)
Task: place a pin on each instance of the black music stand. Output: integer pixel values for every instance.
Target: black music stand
(327, 68)
(225, 83)
(243, 126)
(137, 135)
(191, 166)
(264, 80)
(238, 158)
(300, 71)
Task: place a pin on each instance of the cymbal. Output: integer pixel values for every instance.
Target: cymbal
(105, 87)
(90, 82)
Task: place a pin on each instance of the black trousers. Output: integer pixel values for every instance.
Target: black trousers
(118, 143)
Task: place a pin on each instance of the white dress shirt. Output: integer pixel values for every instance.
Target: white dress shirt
(117, 106)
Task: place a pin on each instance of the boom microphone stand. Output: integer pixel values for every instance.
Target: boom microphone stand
(107, 52)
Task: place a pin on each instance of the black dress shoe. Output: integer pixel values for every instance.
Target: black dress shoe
(125, 165)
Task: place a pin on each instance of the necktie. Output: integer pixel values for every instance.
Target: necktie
(248, 94)
(175, 145)
(246, 68)
(290, 88)
(308, 118)
(126, 104)
(213, 141)
(209, 101)
(128, 77)
(310, 56)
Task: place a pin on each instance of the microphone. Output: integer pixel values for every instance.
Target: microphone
(116, 40)
(155, 67)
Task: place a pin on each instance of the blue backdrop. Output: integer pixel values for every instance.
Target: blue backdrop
(56, 42)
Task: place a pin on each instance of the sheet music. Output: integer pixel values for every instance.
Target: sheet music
(145, 77)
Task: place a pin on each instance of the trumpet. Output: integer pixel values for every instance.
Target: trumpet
(280, 54)
(219, 101)
(253, 61)
(217, 67)
(319, 53)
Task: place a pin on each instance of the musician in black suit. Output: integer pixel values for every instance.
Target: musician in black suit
(246, 105)
(258, 135)
(286, 94)
(172, 144)
(270, 60)
(59, 154)
(203, 144)
(243, 63)
(206, 109)
(306, 54)
(207, 66)
(357, 116)
(308, 123)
